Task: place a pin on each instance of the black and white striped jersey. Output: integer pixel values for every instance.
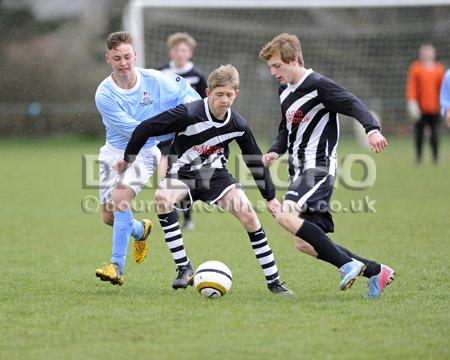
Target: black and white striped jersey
(201, 142)
(309, 128)
(190, 72)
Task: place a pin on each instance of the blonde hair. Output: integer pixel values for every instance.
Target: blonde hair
(181, 37)
(223, 76)
(116, 38)
(287, 45)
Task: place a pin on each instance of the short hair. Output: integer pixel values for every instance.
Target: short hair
(116, 38)
(287, 45)
(223, 76)
(181, 37)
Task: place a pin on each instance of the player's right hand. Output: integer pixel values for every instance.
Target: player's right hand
(269, 158)
(120, 166)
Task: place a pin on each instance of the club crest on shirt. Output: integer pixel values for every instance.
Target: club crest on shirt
(145, 101)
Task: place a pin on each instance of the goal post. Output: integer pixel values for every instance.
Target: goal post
(365, 45)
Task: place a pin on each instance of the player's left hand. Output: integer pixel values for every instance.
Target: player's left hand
(377, 142)
(273, 206)
(120, 166)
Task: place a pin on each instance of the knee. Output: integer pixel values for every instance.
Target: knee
(121, 198)
(161, 197)
(282, 219)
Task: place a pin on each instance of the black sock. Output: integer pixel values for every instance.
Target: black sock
(325, 248)
(372, 267)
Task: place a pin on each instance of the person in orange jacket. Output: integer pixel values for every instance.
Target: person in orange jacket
(425, 76)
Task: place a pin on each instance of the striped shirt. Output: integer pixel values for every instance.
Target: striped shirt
(309, 128)
(201, 142)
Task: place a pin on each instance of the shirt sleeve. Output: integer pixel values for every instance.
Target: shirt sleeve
(173, 120)
(340, 100)
(445, 93)
(252, 156)
(114, 117)
(280, 144)
(412, 84)
(175, 90)
(201, 86)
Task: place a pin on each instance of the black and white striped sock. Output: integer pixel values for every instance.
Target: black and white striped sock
(264, 255)
(174, 238)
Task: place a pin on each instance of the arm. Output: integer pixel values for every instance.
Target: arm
(412, 94)
(173, 120)
(252, 155)
(340, 100)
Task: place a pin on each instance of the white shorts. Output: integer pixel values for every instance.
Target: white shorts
(136, 176)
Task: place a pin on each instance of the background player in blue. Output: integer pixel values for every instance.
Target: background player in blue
(204, 129)
(124, 99)
(309, 131)
(181, 48)
(444, 98)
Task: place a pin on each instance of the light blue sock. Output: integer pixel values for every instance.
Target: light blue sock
(123, 224)
(138, 230)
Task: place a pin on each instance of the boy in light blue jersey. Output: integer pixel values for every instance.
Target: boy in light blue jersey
(124, 99)
(445, 98)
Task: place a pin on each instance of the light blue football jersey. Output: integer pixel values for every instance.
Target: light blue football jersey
(124, 109)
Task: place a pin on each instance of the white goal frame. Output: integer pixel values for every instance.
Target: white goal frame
(133, 17)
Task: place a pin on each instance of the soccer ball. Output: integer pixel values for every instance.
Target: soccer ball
(213, 279)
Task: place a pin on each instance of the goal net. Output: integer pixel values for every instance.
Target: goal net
(365, 48)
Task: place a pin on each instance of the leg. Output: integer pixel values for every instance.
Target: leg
(188, 224)
(107, 214)
(433, 122)
(349, 269)
(418, 137)
(289, 218)
(238, 204)
(163, 166)
(123, 223)
(169, 192)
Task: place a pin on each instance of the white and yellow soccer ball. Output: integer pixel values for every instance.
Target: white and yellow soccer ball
(213, 279)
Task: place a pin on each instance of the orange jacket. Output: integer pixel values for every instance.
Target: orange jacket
(423, 85)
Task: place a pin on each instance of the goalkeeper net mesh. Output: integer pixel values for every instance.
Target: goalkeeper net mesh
(367, 50)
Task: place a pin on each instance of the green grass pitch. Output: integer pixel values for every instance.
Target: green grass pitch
(53, 306)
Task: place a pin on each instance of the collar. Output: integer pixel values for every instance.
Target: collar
(293, 87)
(188, 67)
(210, 117)
(127, 91)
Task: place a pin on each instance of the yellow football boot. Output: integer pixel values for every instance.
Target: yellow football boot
(112, 273)
(141, 246)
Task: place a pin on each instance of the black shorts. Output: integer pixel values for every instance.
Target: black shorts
(164, 147)
(207, 185)
(312, 191)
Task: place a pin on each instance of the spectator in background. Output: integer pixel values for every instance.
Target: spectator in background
(181, 48)
(422, 94)
(445, 98)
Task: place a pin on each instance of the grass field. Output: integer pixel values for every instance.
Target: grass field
(53, 307)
